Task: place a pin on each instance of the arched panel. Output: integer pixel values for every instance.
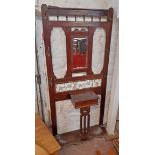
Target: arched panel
(99, 39)
(58, 49)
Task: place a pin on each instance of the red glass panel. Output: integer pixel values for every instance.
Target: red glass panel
(79, 60)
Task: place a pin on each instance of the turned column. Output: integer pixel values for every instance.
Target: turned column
(84, 121)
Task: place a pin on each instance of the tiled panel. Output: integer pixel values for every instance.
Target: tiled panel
(78, 85)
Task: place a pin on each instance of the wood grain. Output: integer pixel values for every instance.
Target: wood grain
(43, 137)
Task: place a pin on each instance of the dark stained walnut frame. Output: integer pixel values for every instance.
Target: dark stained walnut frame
(66, 26)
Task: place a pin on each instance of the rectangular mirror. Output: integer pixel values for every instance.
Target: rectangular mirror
(79, 52)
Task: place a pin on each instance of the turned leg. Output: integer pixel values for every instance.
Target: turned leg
(84, 122)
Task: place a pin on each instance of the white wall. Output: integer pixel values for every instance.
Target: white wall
(67, 116)
(114, 100)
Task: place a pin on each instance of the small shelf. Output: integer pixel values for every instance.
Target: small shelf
(85, 99)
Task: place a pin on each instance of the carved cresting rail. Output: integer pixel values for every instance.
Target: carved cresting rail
(60, 89)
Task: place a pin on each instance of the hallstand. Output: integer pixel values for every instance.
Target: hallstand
(79, 42)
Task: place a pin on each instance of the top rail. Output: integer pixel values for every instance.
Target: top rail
(57, 11)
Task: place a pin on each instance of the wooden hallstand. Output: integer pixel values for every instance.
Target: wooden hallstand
(79, 45)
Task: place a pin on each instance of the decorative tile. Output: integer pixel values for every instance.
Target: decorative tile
(97, 83)
(88, 84)
(69, 86)
(60, 87)
(78, 85)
